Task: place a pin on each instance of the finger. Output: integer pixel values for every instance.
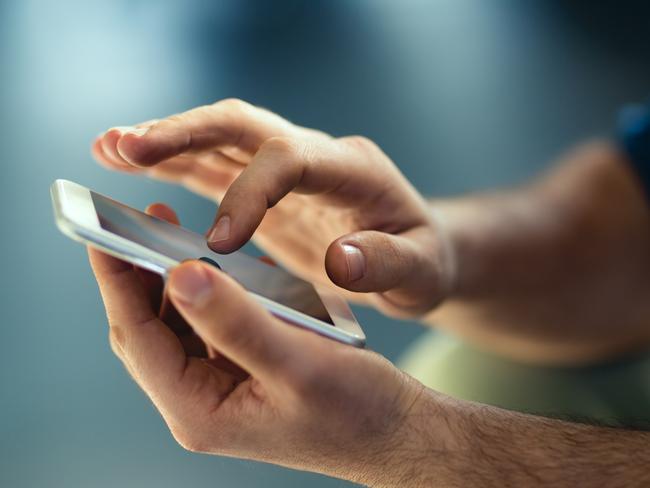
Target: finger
(206, 174)
(109, 145)
(117, 350)
(98, 153)
(210, 182)
(163, 212)
(280, 166)
(268, 260)
(226, 123)
(147, 123)
(152, 351)
(171, 170)
(181, 387)
(401, 267)
(230, 321)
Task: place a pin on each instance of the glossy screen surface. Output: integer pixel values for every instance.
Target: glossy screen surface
(180, 244)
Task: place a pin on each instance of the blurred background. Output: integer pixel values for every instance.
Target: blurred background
(462, 94)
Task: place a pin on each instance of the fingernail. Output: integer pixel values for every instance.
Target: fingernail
(191, 285)
(221, 231)
(356, 262)
(129, 129)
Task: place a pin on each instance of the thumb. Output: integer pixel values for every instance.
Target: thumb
(407, 269)
(230, 321)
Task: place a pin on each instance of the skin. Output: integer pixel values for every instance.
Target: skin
(230, 379)
(279, 391)
(556, 272)
(328, 193)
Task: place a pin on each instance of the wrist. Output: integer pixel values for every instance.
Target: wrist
(489, 236)
(454, 223)
(420, 442)
(501, 239)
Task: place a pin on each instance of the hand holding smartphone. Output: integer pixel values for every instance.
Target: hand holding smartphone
(158, 246)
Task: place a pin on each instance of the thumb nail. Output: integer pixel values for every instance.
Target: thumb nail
(356, 262)
(221, 231)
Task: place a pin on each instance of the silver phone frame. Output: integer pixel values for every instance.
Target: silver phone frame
(75, 216)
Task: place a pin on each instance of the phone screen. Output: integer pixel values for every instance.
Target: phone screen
(180, 244)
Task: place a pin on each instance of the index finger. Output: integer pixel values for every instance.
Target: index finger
(346, 172)
(227, 123)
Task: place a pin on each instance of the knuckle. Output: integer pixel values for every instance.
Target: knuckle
(182, 118)
(115, 340)
(115, 349)
(172, 120)
(391, 252)
(232, 104)
(203, 112)
(189, 441)
(280, 168)
(116, 336)
(294, 157)
(281, 145)
(360, 142)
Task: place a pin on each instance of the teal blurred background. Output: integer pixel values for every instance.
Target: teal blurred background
(462, 94)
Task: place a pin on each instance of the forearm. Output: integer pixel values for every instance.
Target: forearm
(455, 443)
(546, 269)
(503, 237)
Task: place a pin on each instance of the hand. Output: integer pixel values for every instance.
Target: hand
(238, 382)
(283, 395)
(322, 207)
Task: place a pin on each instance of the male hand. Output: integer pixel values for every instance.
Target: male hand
(262, 389)
(321, 206)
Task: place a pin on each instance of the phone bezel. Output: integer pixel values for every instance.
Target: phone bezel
(76, 217)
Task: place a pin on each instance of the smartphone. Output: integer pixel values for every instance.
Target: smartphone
(159, 246)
